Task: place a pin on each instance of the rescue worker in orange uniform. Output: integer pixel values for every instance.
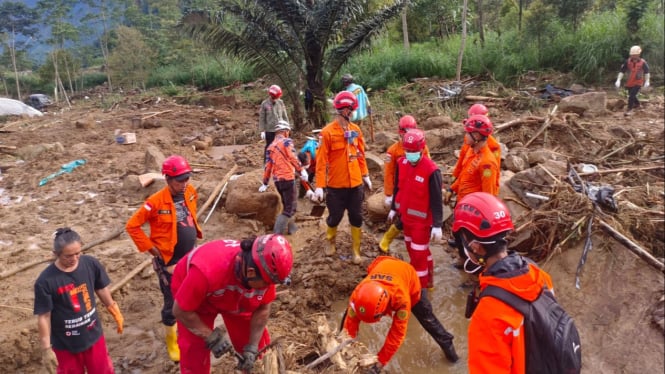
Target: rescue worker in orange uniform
(171, 213)
(418, 203)
(234, 279)
(496, 334)
(393, 154)
(479, 171)
(342, 170)
(638, 75)
(281, 163)
(391, 288)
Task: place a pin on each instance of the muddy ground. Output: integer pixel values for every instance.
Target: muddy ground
(618, 309)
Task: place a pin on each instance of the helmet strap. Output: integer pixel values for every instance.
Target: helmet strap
(247, 263)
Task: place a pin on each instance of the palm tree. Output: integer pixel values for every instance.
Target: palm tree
(302, 43)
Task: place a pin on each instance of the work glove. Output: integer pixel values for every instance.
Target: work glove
(249, 357)
(309, 194)
(388, 201)
(49, 361)
(318, 195)
(218, 343)
(263, 135)
(391, 215)
(447, 196)
(437, 234)
(367, 182)
(646, 80)
(303, 175)
(117, 316)
(617, 84)
(263, 188)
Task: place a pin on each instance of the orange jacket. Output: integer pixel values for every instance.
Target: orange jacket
(495, 147)
(394, 153)
(496, 337)
(401, 282)
(340, 164)
(159, 212)
(281, 160)
(479, 173)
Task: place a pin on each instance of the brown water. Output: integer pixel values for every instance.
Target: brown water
(419, 353)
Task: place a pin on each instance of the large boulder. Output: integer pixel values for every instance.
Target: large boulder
(537, 180)
(377, 211)
(244, 200)
(592, 103)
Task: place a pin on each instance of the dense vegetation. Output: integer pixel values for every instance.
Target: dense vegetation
(139, 44)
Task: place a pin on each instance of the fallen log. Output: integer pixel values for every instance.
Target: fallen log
(130, 275)
(621, 170)
(215, 192)
(482, 98)
(518, 121)
(642, 253)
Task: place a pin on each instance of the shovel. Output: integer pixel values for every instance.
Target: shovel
(317, 208)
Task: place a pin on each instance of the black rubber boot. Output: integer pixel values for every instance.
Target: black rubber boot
(424, 314)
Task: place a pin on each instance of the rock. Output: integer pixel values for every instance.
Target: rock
(33, 151)
(615, 105)
(244, 200)
(514, 163)
(536, 180)
(154, 158)
(437, 122)
(377, 211)
(593, 103)
(541, 156)
(374, 163)
(444, 138)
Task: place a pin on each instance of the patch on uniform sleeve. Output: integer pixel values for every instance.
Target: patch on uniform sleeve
(352, 313)
(147, 206)
(402, 314)
(487, 172)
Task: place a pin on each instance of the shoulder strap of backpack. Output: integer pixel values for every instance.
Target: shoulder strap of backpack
(519, 304)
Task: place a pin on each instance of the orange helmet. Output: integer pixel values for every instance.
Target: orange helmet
(369, 301)
(345, 99)
(275, 91)
(478, 109)
(406, 123)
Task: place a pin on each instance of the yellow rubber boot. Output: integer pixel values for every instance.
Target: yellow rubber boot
(356, 235)
(172, 343)
(331, 234)
(388, 237)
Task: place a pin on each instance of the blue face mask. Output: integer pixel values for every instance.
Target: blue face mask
(412, 157)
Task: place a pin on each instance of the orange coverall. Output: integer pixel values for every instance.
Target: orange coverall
(479, 173)
(338, 163)
(394, 153)
(494, 146)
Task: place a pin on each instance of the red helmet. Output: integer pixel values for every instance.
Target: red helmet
(413, 140)
(369, 301)
(483, 214)
(275, 91)
(407, 122)
(175, 165)
(273, 256)
(345, 99)
(478, 109)
(480, 124)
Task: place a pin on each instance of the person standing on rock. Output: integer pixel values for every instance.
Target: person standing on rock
(282, 163)
(341, 169)
(171, 214)
(418, 203)
(364, 108)
(234, 279)
(394, 153)
(479, 172)
(638, 75)
(70, 330)
(271, 111)
(392, 288)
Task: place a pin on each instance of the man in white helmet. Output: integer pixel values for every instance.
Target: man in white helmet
(637, 70)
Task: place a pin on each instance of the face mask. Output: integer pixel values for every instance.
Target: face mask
(412, 157)
(469, 260)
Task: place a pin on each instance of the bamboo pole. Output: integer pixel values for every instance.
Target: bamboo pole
(214, 193)
(621, 170)
(646, 256)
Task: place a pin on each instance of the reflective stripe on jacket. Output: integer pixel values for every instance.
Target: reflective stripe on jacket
(413, 197)
(159, 211)
(399, 279)
(340, 164)
(393, 154)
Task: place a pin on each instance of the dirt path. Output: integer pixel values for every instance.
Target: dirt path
(613, 309)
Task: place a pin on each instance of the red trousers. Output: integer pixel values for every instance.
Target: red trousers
(195, 357)
(95, 360)
(416, 239)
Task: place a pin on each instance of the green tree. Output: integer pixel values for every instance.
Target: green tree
(537, 21)
(571, 11)
(16, 19)
(303, 43)
(132, 59)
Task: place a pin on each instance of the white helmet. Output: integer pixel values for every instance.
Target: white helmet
(635, 50)
(282, 125)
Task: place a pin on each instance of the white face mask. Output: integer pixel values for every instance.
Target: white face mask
(469, 260)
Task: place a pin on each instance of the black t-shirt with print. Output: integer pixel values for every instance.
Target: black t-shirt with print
(186, 229)
(70, 297)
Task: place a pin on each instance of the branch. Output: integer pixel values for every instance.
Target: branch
(329, 354)
(130, 275)
(645, 255)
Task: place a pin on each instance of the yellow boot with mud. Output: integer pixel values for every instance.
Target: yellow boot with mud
(388, 237)
(356, 235)
(172, 343)
(331, 234)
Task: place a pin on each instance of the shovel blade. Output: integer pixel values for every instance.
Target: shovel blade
(317, 210)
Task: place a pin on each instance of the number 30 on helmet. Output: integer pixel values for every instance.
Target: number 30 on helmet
(483, 215)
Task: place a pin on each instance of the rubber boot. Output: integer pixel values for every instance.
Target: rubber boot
(172, 343)
(388, 237)
(356, 235)
(280, 224)
(292, 228)
(331, 234)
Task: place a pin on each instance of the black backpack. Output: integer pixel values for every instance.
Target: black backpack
(551, 338)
